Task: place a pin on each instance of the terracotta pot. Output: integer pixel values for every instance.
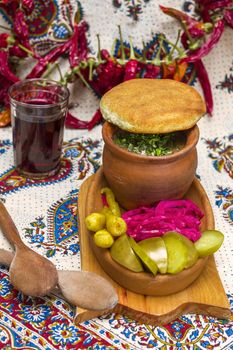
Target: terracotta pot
(143, 180)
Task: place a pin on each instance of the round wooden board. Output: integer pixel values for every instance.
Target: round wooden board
(205, 296)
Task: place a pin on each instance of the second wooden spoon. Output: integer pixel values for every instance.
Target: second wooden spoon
(80, 288)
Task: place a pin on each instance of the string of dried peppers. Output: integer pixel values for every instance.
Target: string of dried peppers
(165, 60)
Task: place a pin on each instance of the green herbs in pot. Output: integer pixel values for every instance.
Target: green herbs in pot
(150, 144)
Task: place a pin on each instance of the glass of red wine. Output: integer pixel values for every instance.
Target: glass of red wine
(38, 111)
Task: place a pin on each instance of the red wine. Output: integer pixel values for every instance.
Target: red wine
(37, 139)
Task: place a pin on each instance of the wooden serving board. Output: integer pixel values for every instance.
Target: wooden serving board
(205, 296)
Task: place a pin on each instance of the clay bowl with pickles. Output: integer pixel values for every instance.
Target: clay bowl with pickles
(159, 241)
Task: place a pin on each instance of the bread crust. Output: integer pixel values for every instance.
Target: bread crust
(152, 106)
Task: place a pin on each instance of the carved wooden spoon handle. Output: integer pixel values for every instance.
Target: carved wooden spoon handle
(8, 227)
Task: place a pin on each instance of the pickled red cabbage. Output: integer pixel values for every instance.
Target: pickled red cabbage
(182, 216)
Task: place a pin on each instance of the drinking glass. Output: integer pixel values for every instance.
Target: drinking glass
(38, 111)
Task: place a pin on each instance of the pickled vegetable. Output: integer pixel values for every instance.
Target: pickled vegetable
(192, 252)
(95, 221)
(103, 239)
(177, 252)
(124, 255)
(110, 198)
(115, 225)
(155, 248)
(209, 242)
(149, 264)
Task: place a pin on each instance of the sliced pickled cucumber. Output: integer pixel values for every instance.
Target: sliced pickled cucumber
(209, 242)
(155, 248)
(177, 252)
(192, 252)
(149, 264)
(124, 255)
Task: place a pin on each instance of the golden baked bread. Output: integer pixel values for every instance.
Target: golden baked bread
(152, 106)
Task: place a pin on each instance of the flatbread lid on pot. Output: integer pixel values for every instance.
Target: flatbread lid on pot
(152, 106)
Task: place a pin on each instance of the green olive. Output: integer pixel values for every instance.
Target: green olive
(115, 225)
(95, 221)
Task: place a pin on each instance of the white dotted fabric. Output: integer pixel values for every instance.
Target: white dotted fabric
(103, 18)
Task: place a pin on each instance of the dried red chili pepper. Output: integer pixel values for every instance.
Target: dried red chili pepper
(5, 69)
(131, 69)
(217, 5)
(51, 57)
(184, 40)
(118, 75)
(107, 75)
(196, 32)
(73, 51)
(208, 45)
(96, 119)
(205, 15)
(208, 9)
(3, 40)
(38, 69)
(78, 45)
(193, 28)
(152, 71)
(228, 16)
(168, 70)
(21, 28)
(180, 16)
(180, 71)
(75, 123)
(104, 54)
(205, 84)
(82, 41)
(16, 51)
(4, 84)
(103, 81)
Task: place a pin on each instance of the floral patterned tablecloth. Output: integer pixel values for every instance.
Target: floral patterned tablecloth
(45, 210)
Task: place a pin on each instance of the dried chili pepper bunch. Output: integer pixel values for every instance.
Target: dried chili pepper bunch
(212, 10)
(200, 36)
(151, 62)
(162, 59)
(100, 74)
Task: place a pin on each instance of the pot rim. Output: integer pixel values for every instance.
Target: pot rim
(192, 135)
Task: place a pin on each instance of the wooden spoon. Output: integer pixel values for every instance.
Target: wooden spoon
(80, 288)
(30, 272)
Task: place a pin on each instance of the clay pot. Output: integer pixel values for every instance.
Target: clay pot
(143, 180)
